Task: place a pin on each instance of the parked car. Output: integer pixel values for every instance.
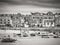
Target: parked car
(51, 35)
(55, 36)
(44, 36)
(25, 35)
(38, 34)
(19, 35)
(32, 34)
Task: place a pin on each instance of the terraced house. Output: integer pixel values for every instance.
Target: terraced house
(48, 20)
(17, 20)
(36, 20)
(5, 21)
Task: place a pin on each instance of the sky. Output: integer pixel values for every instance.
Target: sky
(27, 6)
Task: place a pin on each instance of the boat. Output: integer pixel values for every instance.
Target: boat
(8, 40)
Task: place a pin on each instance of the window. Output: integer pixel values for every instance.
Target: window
(40, 21)
(36, 17)
(8, 22)
(51, 22)
(50, 17)
(16, 17)
(2, 25)
(41, 17)
(2, 15)
(48, 23)
(4, 19)
(0, 19)
(33, 17)
(0, 22)
(4, 22)
(16, 26)
(45, 17)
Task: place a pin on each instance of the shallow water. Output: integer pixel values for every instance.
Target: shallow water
(35, 41)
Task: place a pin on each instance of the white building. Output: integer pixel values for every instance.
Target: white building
(48, 21)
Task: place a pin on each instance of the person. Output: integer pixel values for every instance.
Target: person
(8, 36)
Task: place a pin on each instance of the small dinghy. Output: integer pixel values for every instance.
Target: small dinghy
(8, 40)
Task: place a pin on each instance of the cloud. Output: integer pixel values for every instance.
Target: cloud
(13, 6)
(43, 3)
(48, 1)
(21, 1)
